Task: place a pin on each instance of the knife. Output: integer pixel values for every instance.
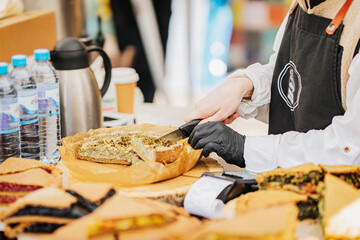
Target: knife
(182, 132)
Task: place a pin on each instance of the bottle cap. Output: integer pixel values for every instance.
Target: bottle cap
(3, 68)
(41, 54)
(18, 60)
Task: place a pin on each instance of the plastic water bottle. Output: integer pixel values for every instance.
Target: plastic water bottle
(49, 109)
(9, 116)
(28, 106)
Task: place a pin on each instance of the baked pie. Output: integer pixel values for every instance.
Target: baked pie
(111, 155)
(108, 148)
(151, 148)
(339, 209)
(19, 177)
(277, 222)
(42, 211)
(127, 148)
(123, 214)
(268, 198)
(302, 179)
(348, 173)
(130, 219)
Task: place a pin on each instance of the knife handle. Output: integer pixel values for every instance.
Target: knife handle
(188, 127)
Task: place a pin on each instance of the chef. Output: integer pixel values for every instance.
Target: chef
(309, 93)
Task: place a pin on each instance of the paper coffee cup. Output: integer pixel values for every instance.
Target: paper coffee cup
(125, 81)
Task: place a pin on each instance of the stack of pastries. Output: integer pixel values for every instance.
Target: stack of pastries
(19, 177)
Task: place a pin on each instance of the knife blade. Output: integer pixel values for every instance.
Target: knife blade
(182, 132)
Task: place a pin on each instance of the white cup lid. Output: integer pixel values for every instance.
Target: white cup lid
(123, 75)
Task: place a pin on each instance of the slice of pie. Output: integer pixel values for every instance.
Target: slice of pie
(42, 211)
(277, 222)
(176, 228)
(348, 173)
(128, 148)
(112, 148)
(123, 214)
(17, 185)
(20, 176)
(91, 195)
(16, 165)
(340, 208)
(268, 198)
(151, 148)
(302, 179)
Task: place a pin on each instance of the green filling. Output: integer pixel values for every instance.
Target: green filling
(321, 204)
(297, 180)
(308, 209)
(351, 178)
(154, 142)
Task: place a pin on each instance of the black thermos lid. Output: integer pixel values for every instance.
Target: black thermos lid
(69, 54)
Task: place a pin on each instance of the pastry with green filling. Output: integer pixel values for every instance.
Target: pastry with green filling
(302, 179)
(128, 148)
(268, 198)
(151, 148)
(112, 148)
(348, 173)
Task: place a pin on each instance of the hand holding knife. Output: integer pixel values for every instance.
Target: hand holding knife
(212, 137)
(182, 132)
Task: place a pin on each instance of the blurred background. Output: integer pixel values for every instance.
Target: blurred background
(181, 49)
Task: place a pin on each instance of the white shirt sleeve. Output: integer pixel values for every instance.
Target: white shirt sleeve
(261, 76)
(338, 144)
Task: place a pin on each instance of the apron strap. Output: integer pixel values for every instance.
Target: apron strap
(293, 8)
(335, 23)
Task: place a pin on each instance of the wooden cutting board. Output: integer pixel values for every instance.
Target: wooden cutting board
(173, 190)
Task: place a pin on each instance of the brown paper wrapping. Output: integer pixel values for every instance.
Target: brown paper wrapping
(120, 175)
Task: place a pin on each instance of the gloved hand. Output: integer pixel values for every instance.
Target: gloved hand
(219, 138)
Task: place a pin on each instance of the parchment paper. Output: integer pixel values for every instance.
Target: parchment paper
(142, 173)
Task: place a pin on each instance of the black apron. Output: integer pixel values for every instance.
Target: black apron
(305, 91)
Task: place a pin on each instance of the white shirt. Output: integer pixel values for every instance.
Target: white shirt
(338, 144)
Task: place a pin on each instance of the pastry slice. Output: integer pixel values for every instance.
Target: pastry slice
(151, 148)
(130, 218)
(302, 179)
(17, 185)
(350, 174)
(91, 195)
(112, 148)
(177, 229)
(16, 165)
(340, 208)
(273, 223)
(41, 211)
(268, 198)
(123, 214)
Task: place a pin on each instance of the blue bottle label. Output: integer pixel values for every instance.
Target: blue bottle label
(48, 97)
(28, 102)
(28, 106)
(9, 118)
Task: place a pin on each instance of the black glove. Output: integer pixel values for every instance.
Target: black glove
(219, 138)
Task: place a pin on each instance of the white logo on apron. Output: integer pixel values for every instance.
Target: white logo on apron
(294, 88)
